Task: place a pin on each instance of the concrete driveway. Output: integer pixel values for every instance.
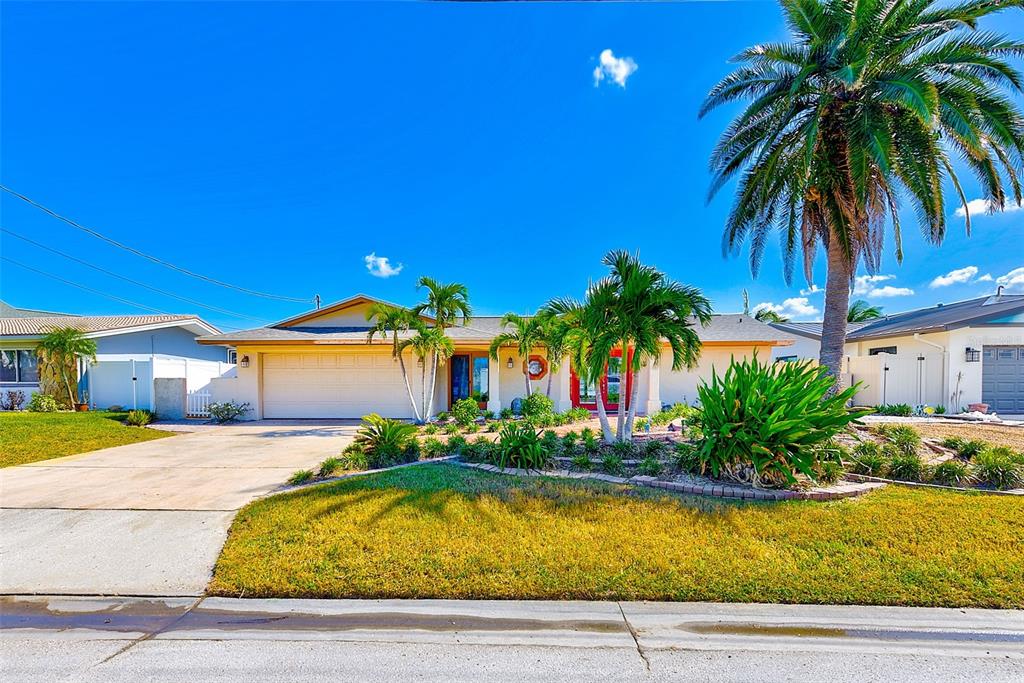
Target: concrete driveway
(147, 518)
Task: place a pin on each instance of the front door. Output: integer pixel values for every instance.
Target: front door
(469, 377)
(612, 387)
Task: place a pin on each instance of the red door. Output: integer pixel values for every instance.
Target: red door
(584, 395)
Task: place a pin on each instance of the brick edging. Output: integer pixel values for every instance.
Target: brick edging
(718, 490)
(924, 485)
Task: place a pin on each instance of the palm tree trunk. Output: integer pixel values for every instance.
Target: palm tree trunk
(526, 375)
(433, 385)
(620, 422)
(408, 388)
(423, 388)
(634, 389)
(602, 415)
(551, 373)
(837, 301)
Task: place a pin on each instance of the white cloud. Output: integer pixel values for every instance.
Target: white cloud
(958, 276)
(796, 307)
(813, 289)
(1012, 281)
(380, 266)
(618, 69)
(889, 291)
(985, 278)
(863, 284)
(980, 207)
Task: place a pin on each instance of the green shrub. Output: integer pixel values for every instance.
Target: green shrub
(506, 414)
(581, 462)
(569, 441)
(472, 428)
(455, 445)
(578, 414)
(443, 416)
(676, 412)
(953, 473)
(519, 446)
(970, 449)
(650, 467)
(479, 450)
(43, 403)
(560, 419)
(387, 442)
(828, 471)
(465, 411)
(868, 459)
(611, 463)
(626, 450)
(430, 429)
(940, 409)
(451, 429)
(300, 477)
(138, 418)
(687, 458)
(228, 411)
(894, 410)
(998, 468)
(329, 466)
(537, 405)
(640, 424)
(433, 447)
(354, 458)
(904, 437)
(590, 441)
(771, 416)
(655, 448)
(905, 466)
(551, 442)
(488, 414)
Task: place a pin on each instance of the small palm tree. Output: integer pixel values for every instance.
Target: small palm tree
(61, 348)
(767, 315)
(522, 332)
(447, 304)
(861, 311)
(554, 332)
(866, 104)
(393, 321)
(428, 342)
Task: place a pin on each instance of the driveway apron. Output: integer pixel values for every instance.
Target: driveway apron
(147, 518)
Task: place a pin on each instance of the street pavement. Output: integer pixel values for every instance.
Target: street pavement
(219, 639)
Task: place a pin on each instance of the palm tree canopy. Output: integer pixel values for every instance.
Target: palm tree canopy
(861, 311)
(68, 342)
(864, 107)
(446, 302)
(767, 315)
(390, 320)
(428, 341)
(523, 332)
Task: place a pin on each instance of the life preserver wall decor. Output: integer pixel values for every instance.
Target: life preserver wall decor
(537, 366)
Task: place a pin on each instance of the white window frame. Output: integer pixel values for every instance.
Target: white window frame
(233, 356)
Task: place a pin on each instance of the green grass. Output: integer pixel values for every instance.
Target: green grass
(30, 437)
(438, 531)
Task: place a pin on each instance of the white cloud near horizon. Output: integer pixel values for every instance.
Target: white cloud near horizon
(980, 207)
(380, 266)
(863, 284)
(1012, 281)
(795, 307)
(953, 277)
(617, 69)
(889, 291)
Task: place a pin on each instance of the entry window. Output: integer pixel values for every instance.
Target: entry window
(19, 366)
(882, 349)
(588, 391)
(480, 377)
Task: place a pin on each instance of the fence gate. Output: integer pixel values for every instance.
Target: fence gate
(198, 404)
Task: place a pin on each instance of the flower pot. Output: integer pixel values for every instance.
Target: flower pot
(81, 407)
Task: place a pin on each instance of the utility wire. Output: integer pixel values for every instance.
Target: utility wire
(127, 279)
(90, 289)
(144, 255)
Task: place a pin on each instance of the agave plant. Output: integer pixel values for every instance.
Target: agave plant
(520, 446)
(385, 441)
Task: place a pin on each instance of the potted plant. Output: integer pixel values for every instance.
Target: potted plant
(84, 405)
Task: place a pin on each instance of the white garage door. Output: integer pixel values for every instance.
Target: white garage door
(332, 385)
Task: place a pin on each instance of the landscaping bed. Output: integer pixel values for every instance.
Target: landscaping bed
(27, 437)
(440, 531)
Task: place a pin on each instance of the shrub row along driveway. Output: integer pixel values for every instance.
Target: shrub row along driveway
(147, 518)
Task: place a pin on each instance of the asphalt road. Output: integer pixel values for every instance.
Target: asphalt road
(169, 640)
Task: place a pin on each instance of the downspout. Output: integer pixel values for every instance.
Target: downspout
(945, 378)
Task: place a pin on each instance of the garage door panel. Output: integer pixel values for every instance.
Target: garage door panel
(333, 385)
(1002, 378)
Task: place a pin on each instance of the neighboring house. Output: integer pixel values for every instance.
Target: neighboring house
(319, 365)
(949, 354)
(132, 350)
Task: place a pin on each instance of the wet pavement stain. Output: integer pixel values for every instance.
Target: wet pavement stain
(795, 631)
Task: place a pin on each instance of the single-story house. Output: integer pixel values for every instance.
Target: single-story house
(320, 365)
(132, 351)
(949, 354)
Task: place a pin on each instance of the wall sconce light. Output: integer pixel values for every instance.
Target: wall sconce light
(244, 362)
(972, 355)
(509, 363)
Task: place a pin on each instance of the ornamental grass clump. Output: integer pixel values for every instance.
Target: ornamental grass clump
(905, 438)
(771, 418)
(999, 467)
(868, 459)
(387, 442)
(520, 446)
(953, 473)
(905, 466)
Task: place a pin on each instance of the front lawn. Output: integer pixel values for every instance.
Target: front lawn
(29, 437)
(440, 531)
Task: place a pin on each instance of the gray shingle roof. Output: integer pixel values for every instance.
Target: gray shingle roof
(8, 311)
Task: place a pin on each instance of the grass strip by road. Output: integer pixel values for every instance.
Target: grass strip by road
(30, 437)
(439, 531)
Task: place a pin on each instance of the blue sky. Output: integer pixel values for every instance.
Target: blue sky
(276, 146)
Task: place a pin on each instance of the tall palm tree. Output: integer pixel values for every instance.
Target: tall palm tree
(447, 304)
(522, 332)
(865, 105)
(554, 332)
(60, 350)
(861, 311)
(432, 342)
(393, 321)
(649, 310)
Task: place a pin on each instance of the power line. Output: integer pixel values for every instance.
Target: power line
(90, 289)
(143, 254)
(127, 279)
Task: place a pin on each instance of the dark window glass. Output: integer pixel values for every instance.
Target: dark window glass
(481, 371)
(8, 366)
(460, 377)
(882, 349)
(28, 366)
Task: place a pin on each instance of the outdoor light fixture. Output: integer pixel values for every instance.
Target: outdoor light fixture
(244, 362)
(972, 355)
(509, 364)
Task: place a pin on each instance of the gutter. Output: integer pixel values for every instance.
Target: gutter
(945, 370)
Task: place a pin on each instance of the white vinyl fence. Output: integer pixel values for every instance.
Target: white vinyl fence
(914, 379)
(198, 404)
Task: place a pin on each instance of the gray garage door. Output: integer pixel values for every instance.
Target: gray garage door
(1002, 378)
